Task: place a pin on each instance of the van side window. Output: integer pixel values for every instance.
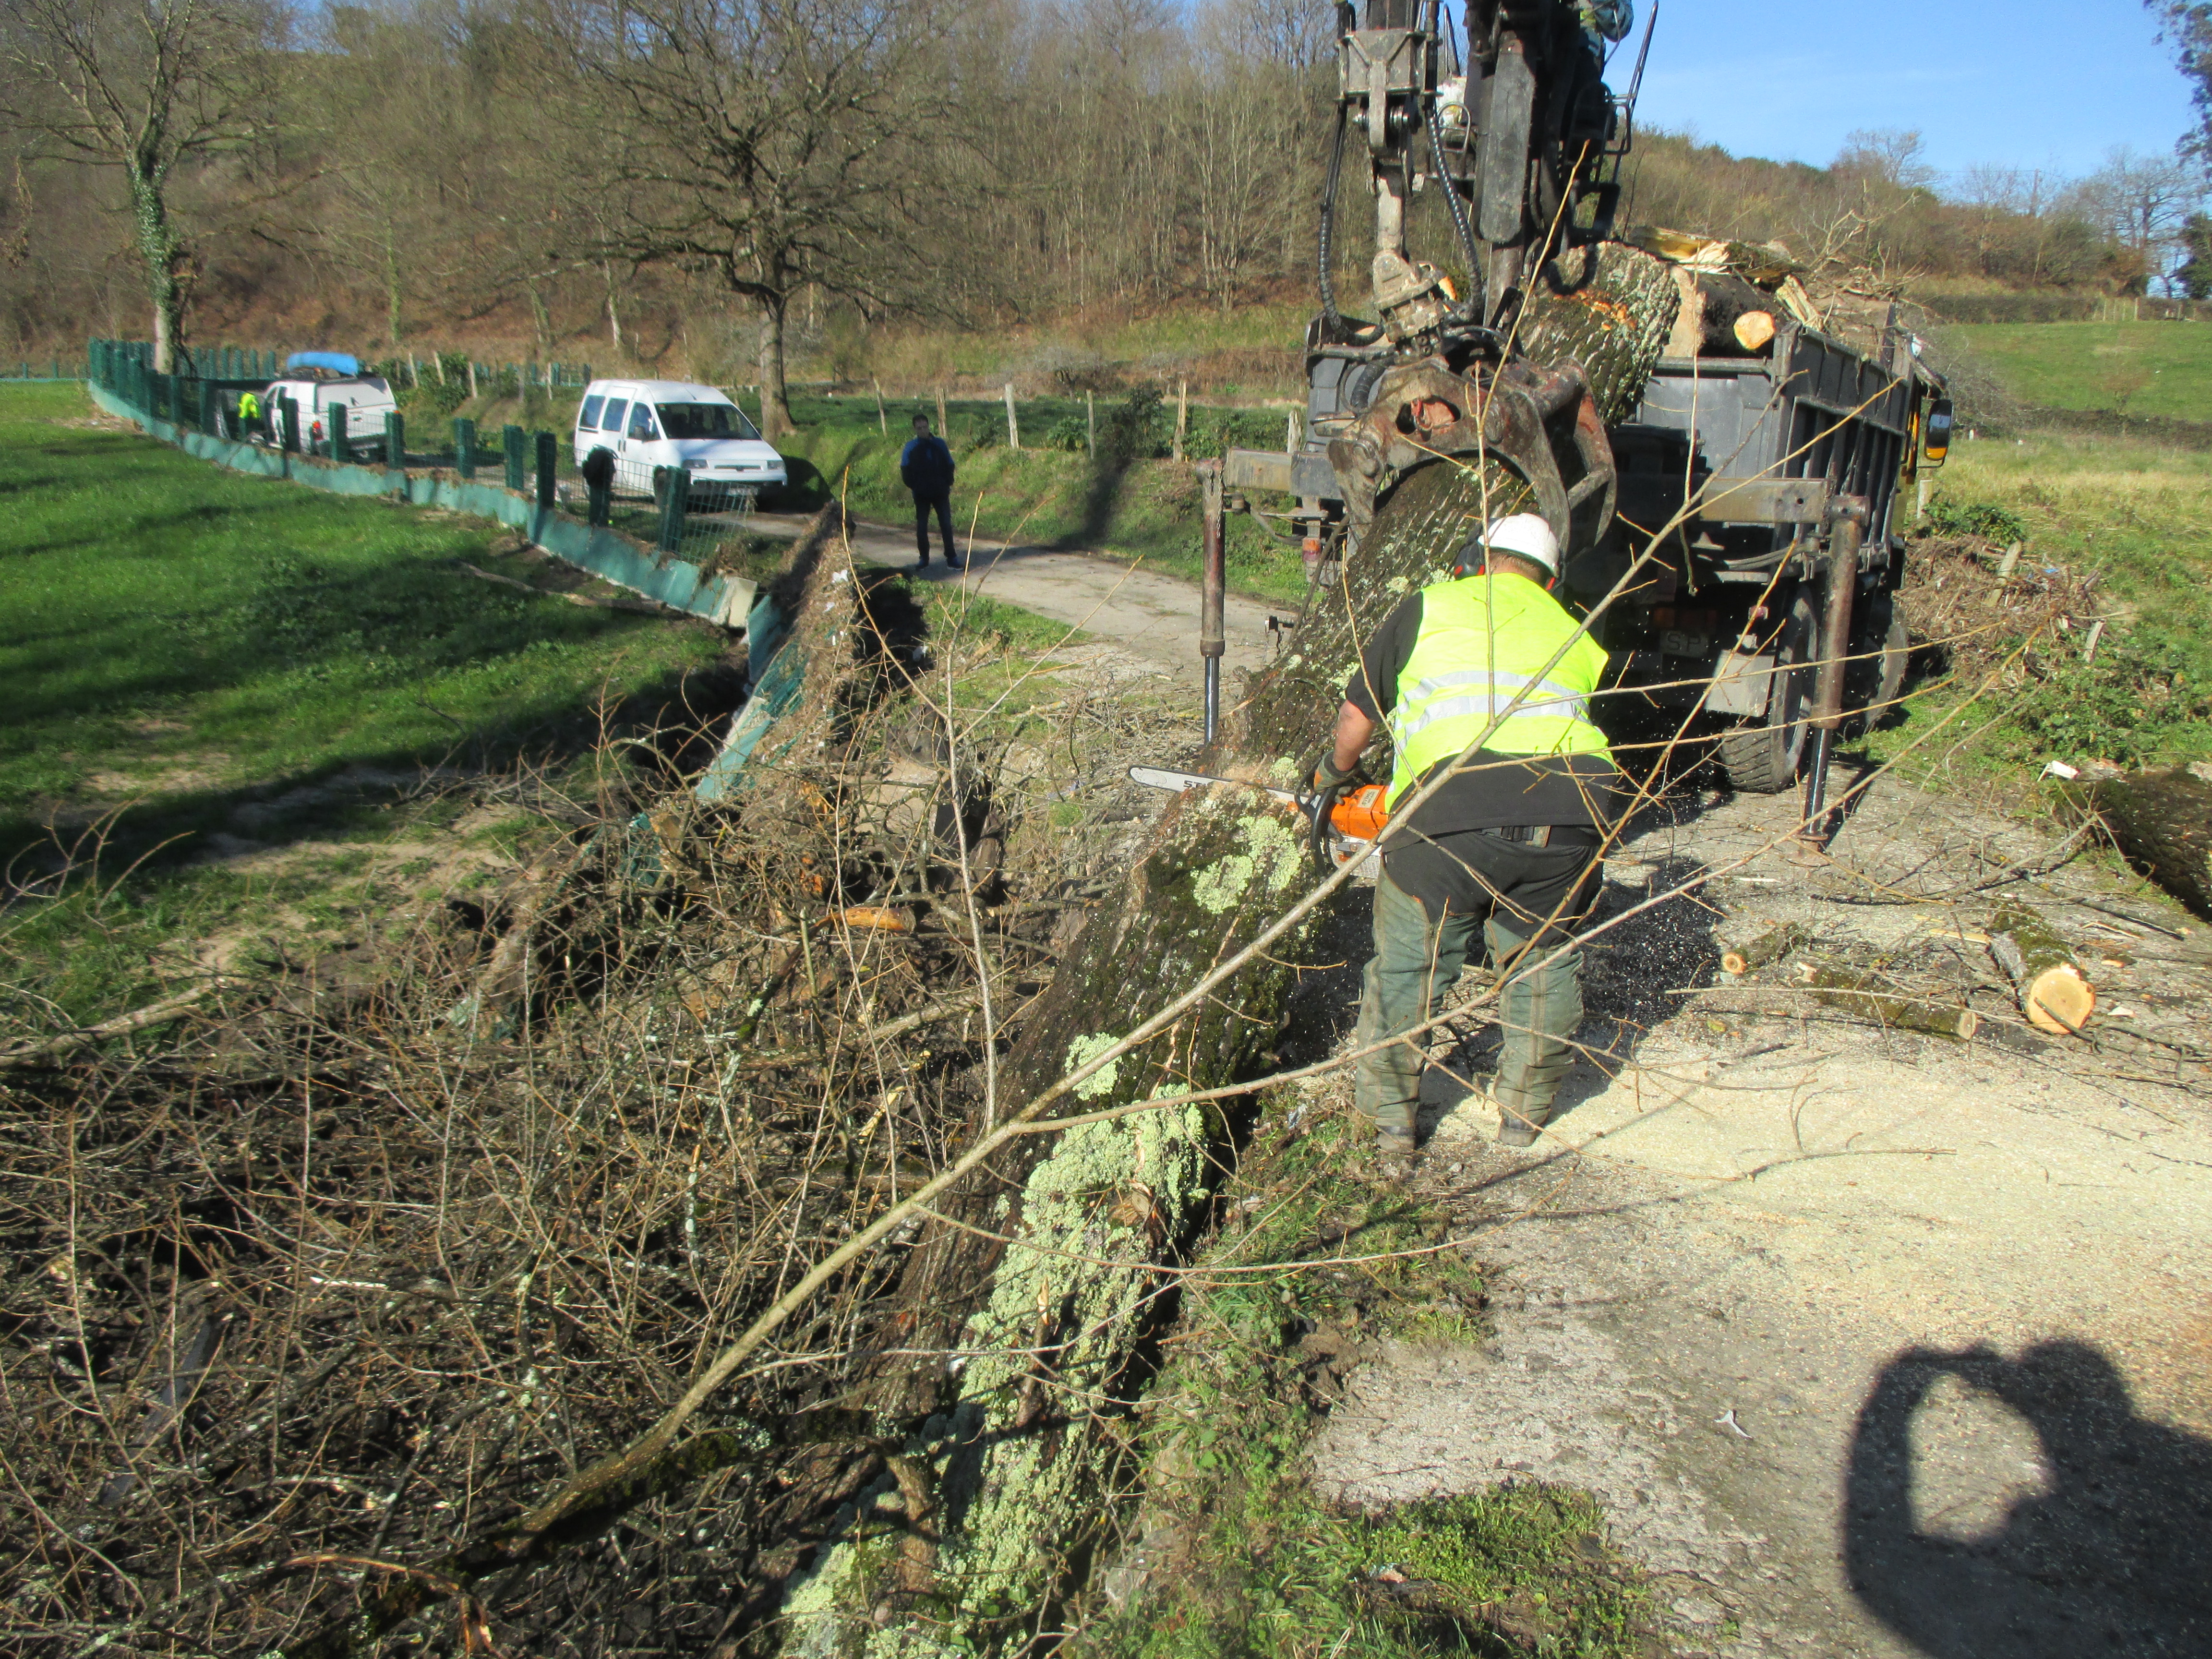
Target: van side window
(589, 420)
(613, 420)
(641, 421)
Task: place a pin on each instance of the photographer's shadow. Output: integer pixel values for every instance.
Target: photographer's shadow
(2112, 1556)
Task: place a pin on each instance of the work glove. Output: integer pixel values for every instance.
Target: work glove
(1327, 776)
(1328, 784)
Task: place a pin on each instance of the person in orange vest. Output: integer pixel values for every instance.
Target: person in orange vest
(1507, 852)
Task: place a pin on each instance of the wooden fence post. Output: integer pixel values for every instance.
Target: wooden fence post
(942, 425)
(1013, 421)
(1091, 423)
(882, 425)
(1182, 414)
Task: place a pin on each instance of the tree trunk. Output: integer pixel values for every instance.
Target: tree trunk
(614, 317)
(2163, 821)
(164, 256)
(775, 396)
(1011, 1441)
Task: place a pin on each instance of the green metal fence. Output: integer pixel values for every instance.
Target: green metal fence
(665, 508)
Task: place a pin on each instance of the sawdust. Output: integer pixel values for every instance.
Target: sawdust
(1745, 1268)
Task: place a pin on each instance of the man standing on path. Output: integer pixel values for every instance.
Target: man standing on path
(926, 468)
(1508, 848)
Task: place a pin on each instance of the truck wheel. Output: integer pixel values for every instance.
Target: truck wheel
(1762, 760)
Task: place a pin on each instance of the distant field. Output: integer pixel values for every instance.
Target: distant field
(192, 657)
(2140, 369)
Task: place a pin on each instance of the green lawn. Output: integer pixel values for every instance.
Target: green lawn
(187, 652)
(2139, 516)
(2138, 369)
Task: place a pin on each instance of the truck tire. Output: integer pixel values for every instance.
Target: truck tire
(1763, 760)
(1870, 690)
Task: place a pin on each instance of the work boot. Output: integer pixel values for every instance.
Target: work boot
(1521, 1128)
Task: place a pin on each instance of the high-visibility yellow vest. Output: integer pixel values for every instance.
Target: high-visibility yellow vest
(249, 407)
(1483, 642)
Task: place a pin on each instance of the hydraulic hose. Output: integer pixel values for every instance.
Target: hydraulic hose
(1328, 225)
(1458, 207)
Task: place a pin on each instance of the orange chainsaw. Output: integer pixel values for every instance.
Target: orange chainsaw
(1355, 817)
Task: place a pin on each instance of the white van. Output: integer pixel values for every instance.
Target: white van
(649, 423)
(367, 398)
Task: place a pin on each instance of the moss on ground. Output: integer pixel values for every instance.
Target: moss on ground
(1241, 1556)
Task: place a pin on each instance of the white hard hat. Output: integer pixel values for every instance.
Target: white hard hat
(1527, 536)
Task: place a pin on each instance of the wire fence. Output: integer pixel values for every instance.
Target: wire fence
(700, 520)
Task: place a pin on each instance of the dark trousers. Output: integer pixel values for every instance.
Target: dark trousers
(942, 504)
(1437, 904)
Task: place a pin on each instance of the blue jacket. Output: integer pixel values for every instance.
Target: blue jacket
(925, 466)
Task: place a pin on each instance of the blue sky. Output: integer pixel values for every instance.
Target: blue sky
(2031, 84)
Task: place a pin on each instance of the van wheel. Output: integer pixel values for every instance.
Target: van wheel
(1763, 760)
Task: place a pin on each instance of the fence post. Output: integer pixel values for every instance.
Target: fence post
(472, 377)
(599, 482)
(1013, 424)
(464, 447)
(517, 444)
(292, 434)
(1091, 423)
(1182, 414)
(395, 438)
(341, 439)
(676, 496)
(207, 407)
(548, 457)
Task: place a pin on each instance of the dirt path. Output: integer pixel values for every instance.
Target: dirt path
(1150, 615)
(1873, 1343)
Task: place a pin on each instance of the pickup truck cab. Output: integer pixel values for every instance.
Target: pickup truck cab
(649, 423)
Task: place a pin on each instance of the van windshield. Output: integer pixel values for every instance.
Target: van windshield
(705, 421)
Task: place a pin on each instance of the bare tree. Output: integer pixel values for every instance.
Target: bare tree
(2142, 202)
(776, 143)
(145, 88)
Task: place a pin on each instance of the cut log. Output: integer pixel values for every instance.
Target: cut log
(1860, 991)
(2053, 993)
(2163, 821)
(1722, 316)
(1770, 946)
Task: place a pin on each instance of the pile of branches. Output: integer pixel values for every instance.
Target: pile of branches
(311, 1292)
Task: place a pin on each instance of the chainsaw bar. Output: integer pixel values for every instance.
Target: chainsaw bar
(1160, 777)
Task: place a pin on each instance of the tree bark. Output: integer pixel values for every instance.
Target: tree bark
(2163, 820)
(2053, 993)
(1039, 1273)
(1874, 998)
(775, 395)
(163, 253)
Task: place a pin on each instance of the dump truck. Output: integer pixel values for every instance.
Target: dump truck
(1753, 483)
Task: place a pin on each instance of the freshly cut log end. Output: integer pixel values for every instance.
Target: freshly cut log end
(2053, 992)
(1754, 330)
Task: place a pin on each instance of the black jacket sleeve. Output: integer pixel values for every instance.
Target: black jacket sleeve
(1373, 687)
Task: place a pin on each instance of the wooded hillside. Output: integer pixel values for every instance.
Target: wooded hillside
(660, 178)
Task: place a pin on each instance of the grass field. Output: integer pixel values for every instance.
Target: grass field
(2137, 368)
(2138, 516)
(193, 657)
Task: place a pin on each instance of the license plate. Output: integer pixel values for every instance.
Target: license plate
(1676, 644)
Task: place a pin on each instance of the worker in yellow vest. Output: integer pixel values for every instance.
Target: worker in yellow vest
(249, 411)
(1508, 849)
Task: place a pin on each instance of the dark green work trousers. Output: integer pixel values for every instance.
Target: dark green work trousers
(1433, 901)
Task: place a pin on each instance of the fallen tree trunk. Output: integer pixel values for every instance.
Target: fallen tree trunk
(2052, 992)
(2163, 821)
(1042, 1273)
